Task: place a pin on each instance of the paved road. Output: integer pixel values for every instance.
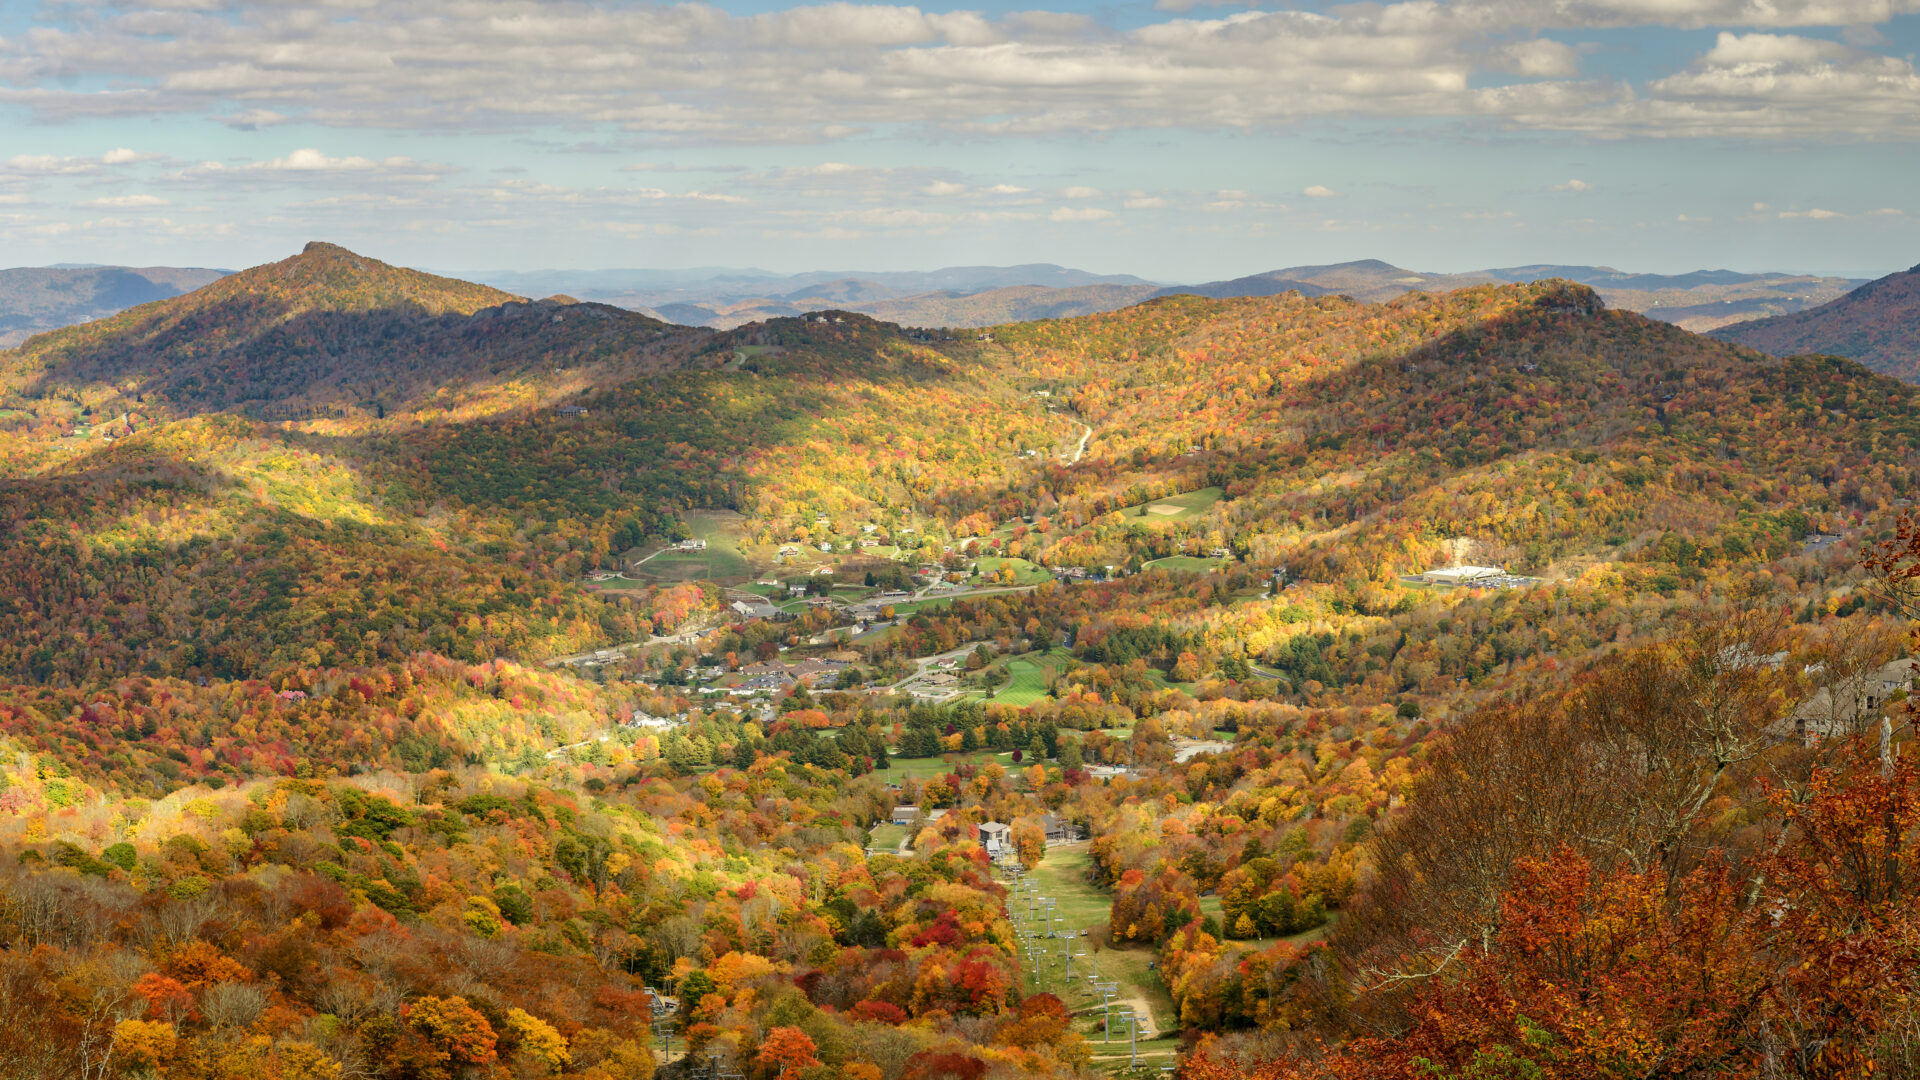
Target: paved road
(558, 750)
(925, 663)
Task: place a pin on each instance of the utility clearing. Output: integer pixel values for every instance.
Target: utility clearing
(1079, 906)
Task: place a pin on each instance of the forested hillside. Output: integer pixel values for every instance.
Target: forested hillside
(400, 679)
(1356, 439)
(1877, 324)
(318, 334)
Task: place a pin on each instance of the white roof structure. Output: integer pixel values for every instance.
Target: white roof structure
(1463, 573)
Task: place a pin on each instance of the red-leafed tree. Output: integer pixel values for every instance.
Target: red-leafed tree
(1793, 967)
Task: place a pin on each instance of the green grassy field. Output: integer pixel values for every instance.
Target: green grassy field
(1024, 572)
(1187, 563)
(1027, 685)
(1192, 504)
(921, 768)
(624, 582)
(886, 837)
(721, 560)
(912, 606)
(1080, 906)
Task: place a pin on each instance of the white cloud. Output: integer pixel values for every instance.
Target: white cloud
(309, 165)
(1573, 185)
(944, 188)
(1080, 213)
(1539, 58)
(1145, 202)
(1007, 189)
(1081, 193)
(1319, 191)
(127, 202)
(49, 165)
(254, 119)
(1815, 214)
(819, 72)
(1752, 86)
(311, 160)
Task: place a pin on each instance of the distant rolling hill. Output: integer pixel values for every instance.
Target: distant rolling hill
(38, 298)
(1021, 303)
(324, 330)
(728, 298)
(960, 296)
(1877, 324)
(1696, 301)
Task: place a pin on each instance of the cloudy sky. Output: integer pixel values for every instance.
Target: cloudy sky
(1174, 139)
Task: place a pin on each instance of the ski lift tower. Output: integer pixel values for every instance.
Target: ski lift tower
(1106, 990)
(662, 1010)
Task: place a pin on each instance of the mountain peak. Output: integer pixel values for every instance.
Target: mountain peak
(329, 277)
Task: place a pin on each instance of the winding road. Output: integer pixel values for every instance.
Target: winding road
(1081, 450)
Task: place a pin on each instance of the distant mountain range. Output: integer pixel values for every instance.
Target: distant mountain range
(987, 295)
(726, 298)
(39, 299)
(1877, 324)
(36, 299)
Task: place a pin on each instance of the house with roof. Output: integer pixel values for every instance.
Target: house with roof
(759, 684)
(995, 836)
(905, 815)
(1855, 704)
(753, 609)
(1058, 829)
(812, 669)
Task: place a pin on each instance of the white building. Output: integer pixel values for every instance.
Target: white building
(996, 837)
(1460, 575)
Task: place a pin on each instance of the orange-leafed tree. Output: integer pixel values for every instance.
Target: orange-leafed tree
(786, 1052)
(459, 1035)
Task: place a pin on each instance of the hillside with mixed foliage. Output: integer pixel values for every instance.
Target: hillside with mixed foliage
(35, 299)
(1355, 439)
(318, 758)
(1877, 324)
(318, 334)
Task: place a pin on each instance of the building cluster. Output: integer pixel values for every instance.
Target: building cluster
(1855, 704)
(1477, 577)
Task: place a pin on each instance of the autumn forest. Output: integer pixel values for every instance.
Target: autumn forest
(401, 679)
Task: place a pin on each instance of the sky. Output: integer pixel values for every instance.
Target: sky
(1177, 140)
